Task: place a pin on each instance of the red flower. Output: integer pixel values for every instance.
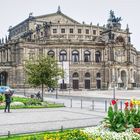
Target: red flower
(136, 130)
(126, 104)
(113, 102)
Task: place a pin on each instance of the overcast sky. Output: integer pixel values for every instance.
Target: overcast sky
(96, 11)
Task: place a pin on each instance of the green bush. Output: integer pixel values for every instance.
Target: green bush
(1, 98)
(27, 101)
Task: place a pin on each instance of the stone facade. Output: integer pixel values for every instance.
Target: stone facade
(93, 57)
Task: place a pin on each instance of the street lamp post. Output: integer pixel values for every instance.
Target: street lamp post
(56, 96)
(24, 88)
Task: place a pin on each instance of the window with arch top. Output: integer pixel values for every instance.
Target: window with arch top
(97, 56)
(86, 56)
(75, 75)
(98, 75)
(63, 55)
(75, 56)
(51, 53)
(87, 74)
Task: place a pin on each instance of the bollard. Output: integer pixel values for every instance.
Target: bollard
(71, 102)
(121, 105)
(62, 128)
(105, 106)
(92, 104)
(9, 134)
(81, 103)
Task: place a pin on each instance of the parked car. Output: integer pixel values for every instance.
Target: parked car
(4, 88)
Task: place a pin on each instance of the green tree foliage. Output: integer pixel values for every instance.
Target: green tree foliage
(43, 71)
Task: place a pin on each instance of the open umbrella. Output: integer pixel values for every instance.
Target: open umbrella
(4, 89)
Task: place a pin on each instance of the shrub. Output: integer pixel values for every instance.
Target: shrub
(1, 98)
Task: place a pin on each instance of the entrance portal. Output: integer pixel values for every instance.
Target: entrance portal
(123, 78)
(75, 84)
(3, 78)
(87, 84)
(98, 84)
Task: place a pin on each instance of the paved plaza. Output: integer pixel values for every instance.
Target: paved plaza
(75, 116)
(35, 120)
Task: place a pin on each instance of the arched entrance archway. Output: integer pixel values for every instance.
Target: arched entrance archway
(98, 80)
(123, 78)
(75, 83)
(87, 80)
(3, 78)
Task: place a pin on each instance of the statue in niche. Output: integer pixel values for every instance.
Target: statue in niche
(46, 27)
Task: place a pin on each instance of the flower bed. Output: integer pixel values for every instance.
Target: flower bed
(63, 135)
(103, 133)
(119, 124)
(120, 120)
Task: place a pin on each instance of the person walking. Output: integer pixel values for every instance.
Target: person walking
(8, 99)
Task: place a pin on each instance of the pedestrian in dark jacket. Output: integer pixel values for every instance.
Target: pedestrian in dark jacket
(8, 100)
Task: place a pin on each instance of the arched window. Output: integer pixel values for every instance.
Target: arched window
(63, 55)
(98, 56)
(51, 53)
(98, 75)
(75, 56)
(120, 39)
(86, 56)
(75, 75)
(87, 74)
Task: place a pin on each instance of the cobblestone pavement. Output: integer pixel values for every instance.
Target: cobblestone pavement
(35, 120)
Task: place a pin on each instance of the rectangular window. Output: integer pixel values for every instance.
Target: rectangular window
(41, 33)
(100, 32)
(79, 31)
(71, 30)
(54, 31)
(63, 30)
(87, 31)
(94, 32)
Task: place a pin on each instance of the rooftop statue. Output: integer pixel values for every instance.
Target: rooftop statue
(113, 18)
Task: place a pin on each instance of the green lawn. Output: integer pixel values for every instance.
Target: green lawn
(31, 103)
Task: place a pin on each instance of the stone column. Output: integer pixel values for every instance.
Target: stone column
(102, 59)
(93, 55)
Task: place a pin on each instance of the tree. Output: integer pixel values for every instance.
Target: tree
(43, 71)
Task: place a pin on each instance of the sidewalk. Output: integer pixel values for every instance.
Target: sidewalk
(119, 94)
(35, 120)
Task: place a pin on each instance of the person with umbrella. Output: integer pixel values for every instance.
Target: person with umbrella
(8, 100)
